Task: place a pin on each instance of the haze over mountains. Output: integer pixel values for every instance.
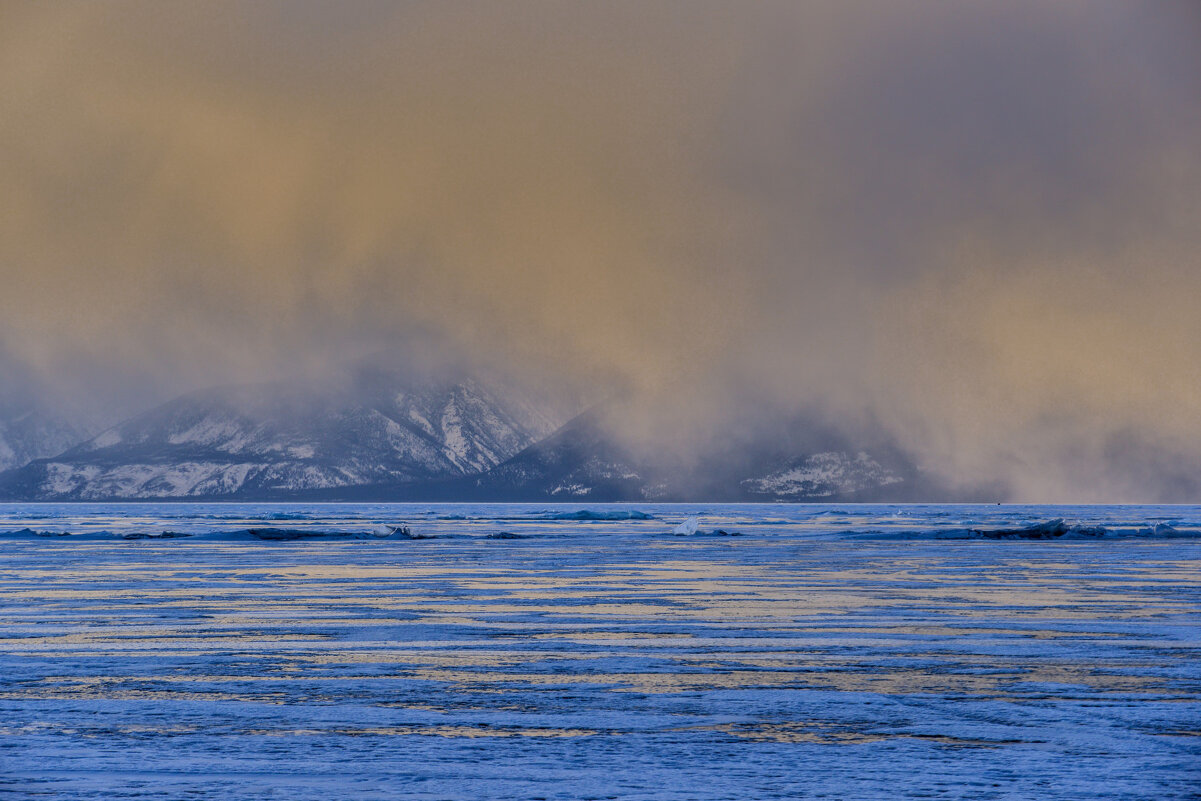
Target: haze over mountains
(28, 434)
(29, 428)
(405, 436)
(802, 460)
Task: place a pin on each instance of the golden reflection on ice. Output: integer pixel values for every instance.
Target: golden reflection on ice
(439, 631)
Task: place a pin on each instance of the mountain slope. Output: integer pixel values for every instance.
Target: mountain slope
(580, 460)
(27, 434)
(285, 440)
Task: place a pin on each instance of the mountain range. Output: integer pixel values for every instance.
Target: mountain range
(390, 436)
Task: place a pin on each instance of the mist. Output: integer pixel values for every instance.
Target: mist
(971, 226)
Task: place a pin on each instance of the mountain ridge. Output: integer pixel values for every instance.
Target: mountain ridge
(387, 436)
(285, 438)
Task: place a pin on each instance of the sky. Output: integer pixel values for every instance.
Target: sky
(972, 225)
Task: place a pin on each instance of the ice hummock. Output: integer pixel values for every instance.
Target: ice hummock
(1054, 529)
(688, 527)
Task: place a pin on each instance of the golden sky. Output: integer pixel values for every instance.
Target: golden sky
(976, 224)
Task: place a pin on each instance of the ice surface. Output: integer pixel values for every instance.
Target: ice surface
(560, 657)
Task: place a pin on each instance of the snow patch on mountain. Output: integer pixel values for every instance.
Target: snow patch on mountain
(419, 419)
(226, 434)
(574, 490)
(107, 439)
(824, 475)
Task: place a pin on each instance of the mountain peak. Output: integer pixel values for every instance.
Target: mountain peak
(283, 438)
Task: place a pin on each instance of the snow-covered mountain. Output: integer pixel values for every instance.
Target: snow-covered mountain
(27, 434)
(390, 436)
(289, 440)
(582, 460)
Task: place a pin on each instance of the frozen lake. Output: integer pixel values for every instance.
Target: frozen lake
(293, 652)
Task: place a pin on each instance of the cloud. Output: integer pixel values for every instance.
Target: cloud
(974, 224)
